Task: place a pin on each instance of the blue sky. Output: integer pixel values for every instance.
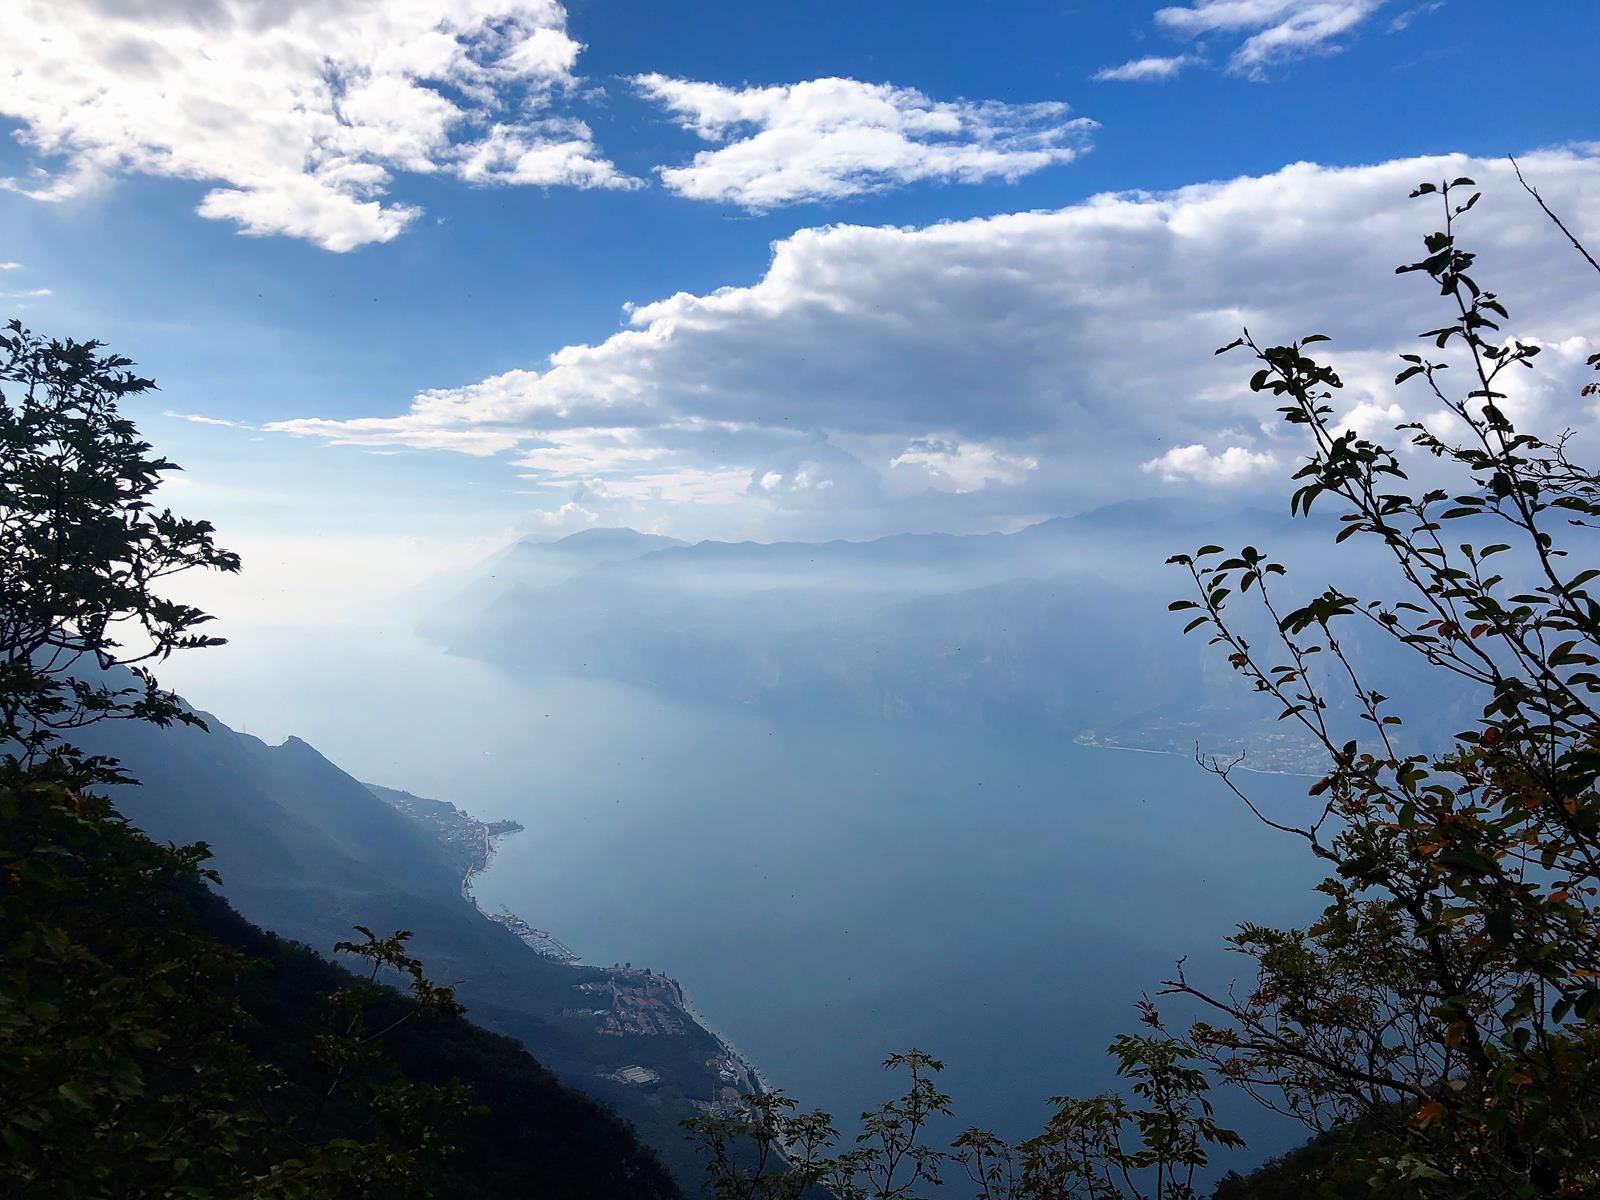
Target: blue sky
(915, 356)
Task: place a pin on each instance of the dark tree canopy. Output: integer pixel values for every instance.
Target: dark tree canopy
(84, 549)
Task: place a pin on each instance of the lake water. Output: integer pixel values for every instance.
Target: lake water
(827, 892)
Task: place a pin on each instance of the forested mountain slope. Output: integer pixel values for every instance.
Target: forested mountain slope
(307, 851)
(531, 1135)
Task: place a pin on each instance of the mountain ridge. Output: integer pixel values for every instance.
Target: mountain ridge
(308, 852)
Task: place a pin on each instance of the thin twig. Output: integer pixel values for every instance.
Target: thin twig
(1538, 199)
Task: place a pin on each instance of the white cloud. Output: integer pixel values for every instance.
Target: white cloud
(980, 371)
(828, 138)
(964, 466)
(569, 517)
(1372, 419)
(202, 419)
(586, 451)
(1153, 68)
(19, 300)
(686, 486)
(384, 432)
(1403, 20)
(1277, 31)
(814, 474)
(1236, 464)
(298, 113)
(10, 266)
(548, 153)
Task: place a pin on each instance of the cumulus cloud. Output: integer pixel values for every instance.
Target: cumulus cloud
(1153, 68)
(964, 466)
(1233, 465)
(829, 138)
(1274, 31)
(815, 474)
(298, 113)
(993, 369)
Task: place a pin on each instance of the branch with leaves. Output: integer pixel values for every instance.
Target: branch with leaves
(1448, 998)
(84, 551)
(1442, 1015)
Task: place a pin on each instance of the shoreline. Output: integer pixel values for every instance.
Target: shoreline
(486, 860)
(685, 1003)
(542, 943)
(753, 1072)
(1184, 754)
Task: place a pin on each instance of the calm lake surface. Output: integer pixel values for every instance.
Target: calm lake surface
(826, 891)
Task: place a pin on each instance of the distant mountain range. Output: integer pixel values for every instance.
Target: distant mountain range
(1062, 624)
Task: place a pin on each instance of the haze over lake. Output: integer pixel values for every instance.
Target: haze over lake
(828, 891)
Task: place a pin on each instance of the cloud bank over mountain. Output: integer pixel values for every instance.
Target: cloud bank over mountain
(999, 368)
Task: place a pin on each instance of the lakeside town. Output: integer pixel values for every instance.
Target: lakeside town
(1267, 750)
(625, 1002)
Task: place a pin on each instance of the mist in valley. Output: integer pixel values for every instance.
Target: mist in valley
(923, 791)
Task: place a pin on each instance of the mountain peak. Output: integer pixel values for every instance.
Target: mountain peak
(601, 540)
(615, 536)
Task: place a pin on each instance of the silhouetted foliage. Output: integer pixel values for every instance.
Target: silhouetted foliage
(1449, 997)
(124, 1073)
(151, 1042)
(1439, 1024)
(83, 548)
(1149, 1142)
(1331, 1166)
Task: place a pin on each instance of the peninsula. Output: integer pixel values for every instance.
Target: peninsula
(621, 1001)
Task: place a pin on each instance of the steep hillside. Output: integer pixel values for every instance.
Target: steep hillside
(534, 1136)
(308, 852)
